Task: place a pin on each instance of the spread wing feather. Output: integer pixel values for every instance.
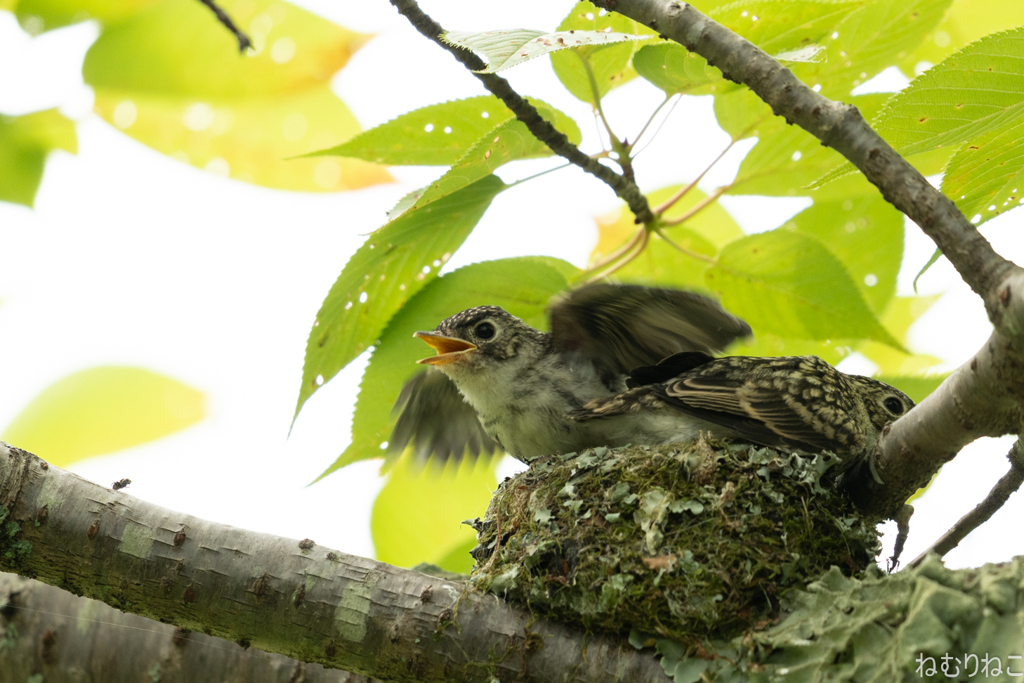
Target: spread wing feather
(623, 327)
(436, 421)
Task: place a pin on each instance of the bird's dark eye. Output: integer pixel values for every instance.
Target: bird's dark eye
(484, 331)
(893, 405)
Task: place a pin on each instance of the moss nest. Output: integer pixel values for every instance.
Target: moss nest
(686, 541)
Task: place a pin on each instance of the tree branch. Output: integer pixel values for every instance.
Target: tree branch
(50, 631)
(244, 43)
(996, 498)
(982, 398)
(280, 595)
(624, 188)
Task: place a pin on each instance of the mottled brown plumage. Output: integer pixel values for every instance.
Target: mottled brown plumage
(794, 403)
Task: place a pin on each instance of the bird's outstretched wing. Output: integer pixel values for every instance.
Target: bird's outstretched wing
(622, 327)
(436, 420)
(774, 402)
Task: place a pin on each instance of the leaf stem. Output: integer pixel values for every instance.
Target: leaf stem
(700, 206)
(639, 240)
(650, 120)
(670, 202)
(683, 250)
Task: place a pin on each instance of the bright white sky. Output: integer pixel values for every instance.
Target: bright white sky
(131, 258)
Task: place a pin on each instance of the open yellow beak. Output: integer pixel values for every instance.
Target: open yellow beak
(448, 348)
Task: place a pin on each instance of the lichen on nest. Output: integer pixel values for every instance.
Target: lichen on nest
(686, 541)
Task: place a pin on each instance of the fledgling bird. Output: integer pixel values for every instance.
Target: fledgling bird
(587, 384)
(791, 403)
(496, 379)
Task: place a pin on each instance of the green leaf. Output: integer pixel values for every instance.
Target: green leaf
(899, 316)
(37, 16)
(742, 114)
(25, 141)
(874, 37)
(936, 255)
(790, 285)
(917, 388)
(505, 49)
(509, 141)
(418, 515)
(780, 26)
(171, 77)
(866, 234)
(984, 177)
(609, 65)
(787, 159)
(437, 135)
(101, 410)
(976, 92)
(768, 344)
(674, 69)
(394, 263)
(965, 22)
(522, 286)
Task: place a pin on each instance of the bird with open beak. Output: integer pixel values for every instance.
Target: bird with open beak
(625, 364)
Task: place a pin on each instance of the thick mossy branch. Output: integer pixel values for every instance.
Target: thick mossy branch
(281, 595)
(687, 541)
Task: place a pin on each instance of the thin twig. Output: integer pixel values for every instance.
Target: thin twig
(995, 499)
(243, 40)
(697, 208)
(527, 113)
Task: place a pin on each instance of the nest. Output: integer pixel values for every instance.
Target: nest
(685, 541)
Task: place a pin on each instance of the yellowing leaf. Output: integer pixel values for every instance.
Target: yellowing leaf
(418, 515)
(25, 142)
(37, 16)
(171, 77)
(101, 410)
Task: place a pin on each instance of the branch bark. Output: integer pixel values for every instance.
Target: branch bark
(982, 398)
(67, 639)
(280, 595)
